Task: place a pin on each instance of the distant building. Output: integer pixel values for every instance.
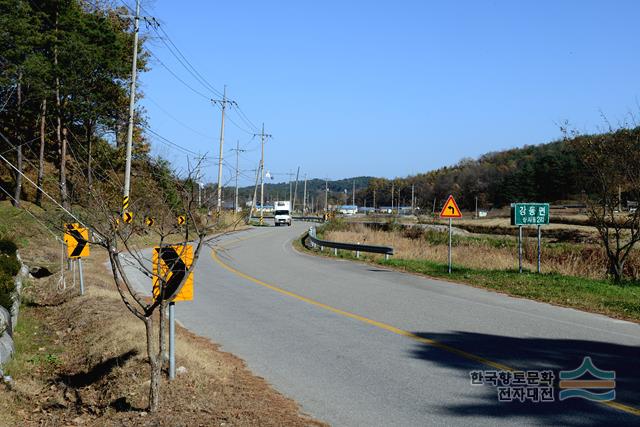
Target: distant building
(348, 209)
(366, 210)
(402, 210)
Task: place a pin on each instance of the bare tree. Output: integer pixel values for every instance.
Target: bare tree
(162, 205)
(613, 162)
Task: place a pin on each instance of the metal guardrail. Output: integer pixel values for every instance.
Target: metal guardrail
(355, 247)
(296, 218)
(309, 218)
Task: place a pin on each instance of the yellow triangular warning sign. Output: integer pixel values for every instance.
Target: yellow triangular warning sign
(450, 209)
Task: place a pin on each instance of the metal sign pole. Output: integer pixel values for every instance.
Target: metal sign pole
(520, 249)
(450, 245)
(81, 276)
(172, 340)
(539, 248)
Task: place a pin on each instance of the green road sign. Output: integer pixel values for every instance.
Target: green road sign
(529, 213)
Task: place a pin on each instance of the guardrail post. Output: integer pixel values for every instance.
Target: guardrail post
(335, 251)
(386, 257)
(358, 252)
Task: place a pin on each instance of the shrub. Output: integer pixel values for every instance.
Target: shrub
(413, 232)
(7, 287)
(8, 247)
(9, 264)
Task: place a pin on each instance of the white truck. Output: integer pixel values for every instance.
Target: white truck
(282, 213)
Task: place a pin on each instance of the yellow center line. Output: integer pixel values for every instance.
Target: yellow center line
(470, 356)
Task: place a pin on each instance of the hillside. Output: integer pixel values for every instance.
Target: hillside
(549, 172)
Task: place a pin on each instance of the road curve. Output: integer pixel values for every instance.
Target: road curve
(357, 344)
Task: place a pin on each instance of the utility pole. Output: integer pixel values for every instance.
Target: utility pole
(238, 151)
(326, 195)
(353, 193)
(223, 106)
(262, 138)
(374, 199)
(295, 191)
(255, 192)
(413, 189)
(476, 207)
(304, 196)
(132, 102)
(393, 187)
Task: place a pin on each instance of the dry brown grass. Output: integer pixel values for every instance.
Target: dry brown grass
(582, 260)
(83, 362)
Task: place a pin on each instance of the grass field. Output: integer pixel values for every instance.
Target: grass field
(573, 274)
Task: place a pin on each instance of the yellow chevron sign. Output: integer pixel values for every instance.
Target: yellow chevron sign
(127, 217)
(171, 264)
(77, 239)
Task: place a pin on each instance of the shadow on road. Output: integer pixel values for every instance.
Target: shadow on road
(539, 354)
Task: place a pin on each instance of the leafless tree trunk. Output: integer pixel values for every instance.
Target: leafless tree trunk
(64, 198)
(61, 132)
(43, 117)
(18, 133)
(88, 129)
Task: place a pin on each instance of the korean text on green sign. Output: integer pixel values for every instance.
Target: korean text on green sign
(529, 213)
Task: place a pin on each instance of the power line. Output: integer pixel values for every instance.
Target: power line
(202, 134)
(197, 92)
(182, 59)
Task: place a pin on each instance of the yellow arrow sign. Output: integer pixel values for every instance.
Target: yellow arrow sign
(77, 240)
(182, 219)
(149, 221)
(450, 209)
(127, 217)
(170, 265)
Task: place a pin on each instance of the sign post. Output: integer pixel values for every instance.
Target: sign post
(524, 214)
(450, 210)
(520, 249)
(539, 241)
(171, 263)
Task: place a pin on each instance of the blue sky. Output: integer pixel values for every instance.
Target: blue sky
(351, 88)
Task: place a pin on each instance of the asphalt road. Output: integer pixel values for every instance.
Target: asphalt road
(360, 345)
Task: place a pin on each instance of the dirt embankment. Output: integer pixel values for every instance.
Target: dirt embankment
(81, 361)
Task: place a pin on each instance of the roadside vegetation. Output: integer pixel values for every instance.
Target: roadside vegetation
(9, 267)
(574, 274)
(81, 360)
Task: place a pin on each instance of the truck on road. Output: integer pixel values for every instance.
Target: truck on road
(282, 214)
